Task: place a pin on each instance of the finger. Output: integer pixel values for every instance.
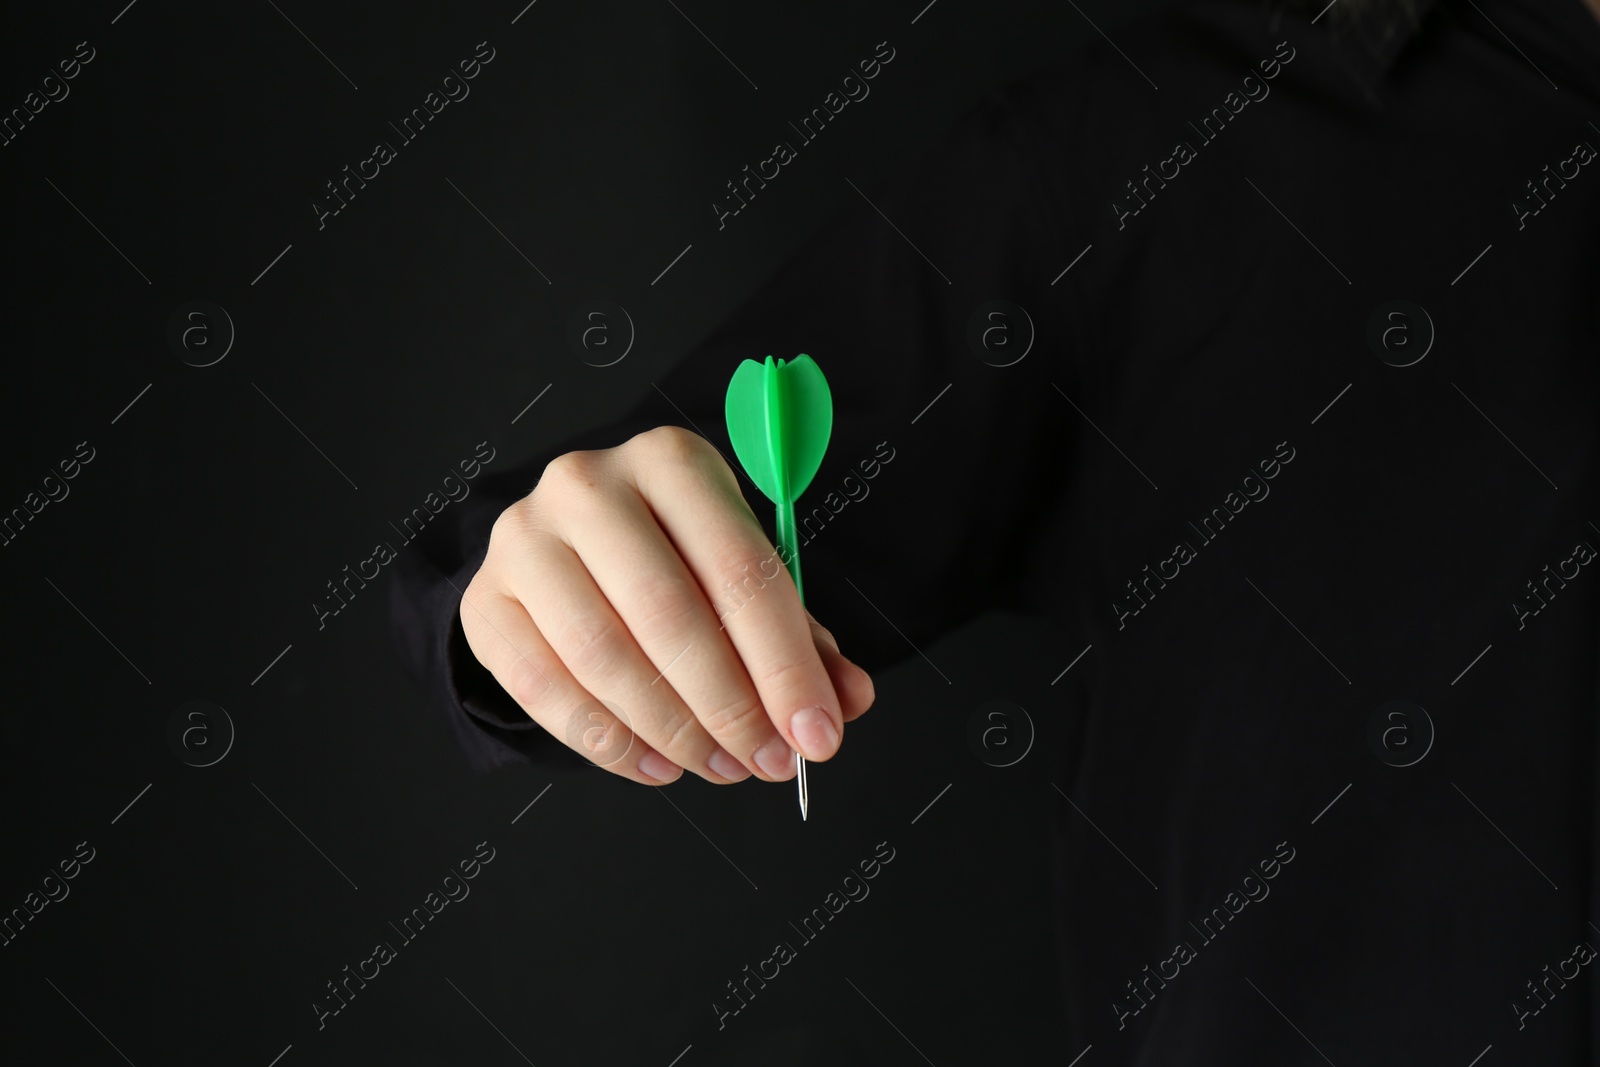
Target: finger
(635, 571)
(696, 499)
(850, 681)
(504, 639)
(596, 645)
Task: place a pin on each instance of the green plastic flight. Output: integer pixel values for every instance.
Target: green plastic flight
(780, 416)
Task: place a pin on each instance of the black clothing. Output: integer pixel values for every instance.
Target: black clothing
(1212, 468)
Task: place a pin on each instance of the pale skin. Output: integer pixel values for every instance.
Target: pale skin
(634, 608)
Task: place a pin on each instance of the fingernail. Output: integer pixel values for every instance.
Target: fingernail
(776, 758)
(723, 763)
(815, 732)
(655, 765)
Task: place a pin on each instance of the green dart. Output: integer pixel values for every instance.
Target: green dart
(780, 416)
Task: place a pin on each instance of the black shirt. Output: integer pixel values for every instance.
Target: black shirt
(1262, 358)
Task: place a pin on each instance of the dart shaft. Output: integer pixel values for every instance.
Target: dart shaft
(789, 552)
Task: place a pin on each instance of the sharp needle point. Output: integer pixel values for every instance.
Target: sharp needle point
(805, 794)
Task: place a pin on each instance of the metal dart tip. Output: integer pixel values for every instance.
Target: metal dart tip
(805, 793)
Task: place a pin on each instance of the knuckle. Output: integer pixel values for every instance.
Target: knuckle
(663, 608)
(684, 745)
(570, 475)
(741, 716)
(589, 645)
(527, 685)
(790, 675)
(510, 526)
(672, 443)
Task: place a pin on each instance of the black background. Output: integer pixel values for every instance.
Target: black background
(397, 337)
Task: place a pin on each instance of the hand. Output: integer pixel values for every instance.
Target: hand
(633, 607)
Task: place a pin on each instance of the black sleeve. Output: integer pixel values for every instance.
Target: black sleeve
(947, 429)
